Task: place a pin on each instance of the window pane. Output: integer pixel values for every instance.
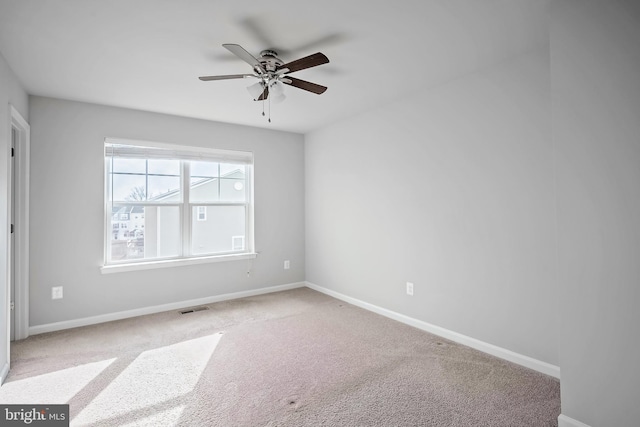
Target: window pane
(128, 187)
(139, 232)
(204, 190)
(223, 230)
(204, 169)
(164, 167)
(232, 170)
(129, 165)
(204, 182)
(232, 190)
(164, 188)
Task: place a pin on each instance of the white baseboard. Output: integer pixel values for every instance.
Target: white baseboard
(67, 324)
(564, 421)
(4, 372)
(526, 361)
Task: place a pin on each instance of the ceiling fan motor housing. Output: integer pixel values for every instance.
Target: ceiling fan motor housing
(269, 60)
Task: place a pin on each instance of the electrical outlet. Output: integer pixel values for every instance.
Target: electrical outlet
(287, 264)
(56, 292)
(409, 288)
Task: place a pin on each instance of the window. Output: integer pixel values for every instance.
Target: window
(237, 242)
(202, 213)
(175, 202)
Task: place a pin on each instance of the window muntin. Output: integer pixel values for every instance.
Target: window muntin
(177, 203)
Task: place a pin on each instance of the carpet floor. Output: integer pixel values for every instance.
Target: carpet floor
(293, 358)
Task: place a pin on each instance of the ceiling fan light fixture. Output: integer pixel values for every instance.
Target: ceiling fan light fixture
(277, 99)
(276, 88)
(256, 90)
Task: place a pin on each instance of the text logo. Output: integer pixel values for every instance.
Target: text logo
(34, 415)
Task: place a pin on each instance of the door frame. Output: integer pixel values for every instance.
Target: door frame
(21, 224)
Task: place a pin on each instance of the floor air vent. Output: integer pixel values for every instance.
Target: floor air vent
(194, 309)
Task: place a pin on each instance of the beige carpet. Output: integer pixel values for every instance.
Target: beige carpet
(294, 358)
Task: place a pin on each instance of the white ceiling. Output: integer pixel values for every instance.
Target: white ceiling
(147, 54)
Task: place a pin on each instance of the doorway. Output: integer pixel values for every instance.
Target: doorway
(18, 244)
(12, 240)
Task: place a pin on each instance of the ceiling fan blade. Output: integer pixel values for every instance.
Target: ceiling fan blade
(226, 77)
(265, 95)
(305, 85)
(306, 62)
(241, 53)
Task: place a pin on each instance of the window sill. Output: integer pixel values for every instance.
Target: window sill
(152, 265)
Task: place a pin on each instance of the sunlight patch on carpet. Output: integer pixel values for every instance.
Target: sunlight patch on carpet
(55, 387)
(153, 379)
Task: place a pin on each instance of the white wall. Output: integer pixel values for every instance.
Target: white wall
(452, 189)
(67, 211)
(11, 92)
(596, 129)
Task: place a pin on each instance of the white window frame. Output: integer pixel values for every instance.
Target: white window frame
(184, 154)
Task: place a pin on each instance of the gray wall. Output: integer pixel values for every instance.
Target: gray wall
(451, 189)
(11, 92)
(67, 211)
(596, 130)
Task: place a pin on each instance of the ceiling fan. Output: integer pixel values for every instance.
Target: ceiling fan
(272, 73)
